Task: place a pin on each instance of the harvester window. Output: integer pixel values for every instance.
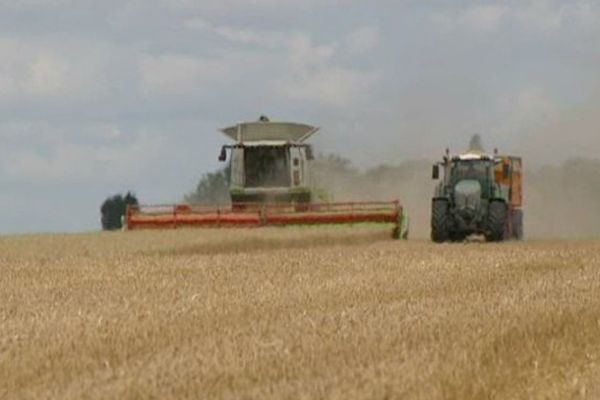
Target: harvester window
(267, 166)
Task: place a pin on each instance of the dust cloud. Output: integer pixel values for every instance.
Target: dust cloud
(410, 182)
(561, 177)
(561, 201)
(562, 182)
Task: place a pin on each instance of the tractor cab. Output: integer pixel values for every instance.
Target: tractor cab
(473, 171)
(478, 170)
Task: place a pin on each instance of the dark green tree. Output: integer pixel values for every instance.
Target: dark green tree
(113, 209)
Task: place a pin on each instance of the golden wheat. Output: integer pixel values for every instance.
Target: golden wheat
(296, 313)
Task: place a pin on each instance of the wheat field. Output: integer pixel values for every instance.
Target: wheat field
(296, 313)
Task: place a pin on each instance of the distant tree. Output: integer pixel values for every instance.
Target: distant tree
(213, 188)
(113, 209)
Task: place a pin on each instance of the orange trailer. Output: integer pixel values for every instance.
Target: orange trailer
(509, 175)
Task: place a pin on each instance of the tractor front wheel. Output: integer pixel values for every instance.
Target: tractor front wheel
(496, 221)
(439, 221)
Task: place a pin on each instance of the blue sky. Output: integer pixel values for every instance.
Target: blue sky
(101, 97)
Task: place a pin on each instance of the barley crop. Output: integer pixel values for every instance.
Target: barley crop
(296, 313)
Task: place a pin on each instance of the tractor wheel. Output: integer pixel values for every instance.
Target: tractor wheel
(439, 221)
(517, 222)
(496, 221)
(458, 237)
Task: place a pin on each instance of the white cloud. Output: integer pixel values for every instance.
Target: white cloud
(223, 6)
(12, 67)
(47, 75)
(551, 15)
(306, 71)
(314, 77)
(72, 162)
(484, 17)
(58, 73)
(216, 6)
(479, 17)
(336, 87)
(303, 54)
(27, 69)
(538, 15)
(363, 40)
(543, 15)
(177, 74)
(261, 38)
(29, 3)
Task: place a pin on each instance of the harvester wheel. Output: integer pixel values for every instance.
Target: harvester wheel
(400, 231)
(497, 214)
(439, 221)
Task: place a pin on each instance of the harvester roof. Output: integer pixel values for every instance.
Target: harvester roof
(266, 131)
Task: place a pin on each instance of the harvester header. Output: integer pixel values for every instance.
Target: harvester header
(252, 215)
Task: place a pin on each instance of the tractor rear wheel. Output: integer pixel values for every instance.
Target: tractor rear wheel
(439, 221)
(496, 221)
(458, 237)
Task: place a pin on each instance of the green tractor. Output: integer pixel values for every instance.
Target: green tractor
(478, 194)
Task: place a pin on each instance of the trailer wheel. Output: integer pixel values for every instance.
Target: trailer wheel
(496, 221)
(439, 221)
(517, 222)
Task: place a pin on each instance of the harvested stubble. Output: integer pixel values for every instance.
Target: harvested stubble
(296, 313)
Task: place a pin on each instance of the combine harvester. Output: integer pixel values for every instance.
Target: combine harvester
(478, 194)
(269, 185)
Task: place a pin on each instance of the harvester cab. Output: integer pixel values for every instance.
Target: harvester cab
(479, 194)
(269, 162)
